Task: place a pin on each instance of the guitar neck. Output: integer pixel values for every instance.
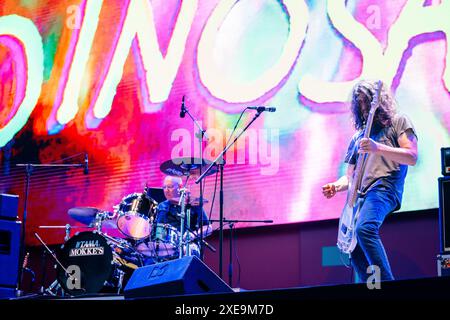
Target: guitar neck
(359, 169)
(355, 184)
(356, 180)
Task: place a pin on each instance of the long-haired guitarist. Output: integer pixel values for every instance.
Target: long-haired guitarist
(391, 148)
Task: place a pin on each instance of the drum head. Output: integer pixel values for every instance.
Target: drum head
(136, 214)
(90, 254)
(133, 225)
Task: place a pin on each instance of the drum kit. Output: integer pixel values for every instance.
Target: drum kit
(104, 263)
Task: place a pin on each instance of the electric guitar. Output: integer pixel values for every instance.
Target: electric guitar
(346, 241)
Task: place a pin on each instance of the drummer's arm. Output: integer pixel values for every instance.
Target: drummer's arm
(207, 226)
(207, 230)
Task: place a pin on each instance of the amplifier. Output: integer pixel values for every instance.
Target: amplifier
(9, 203)
(444, 214)
(443, 265)
(9, 252)
(445, 159)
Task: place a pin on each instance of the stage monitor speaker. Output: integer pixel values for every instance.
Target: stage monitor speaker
(445, 159)
(444, 213)
(7, 293)
(188, 275)
(9, 252)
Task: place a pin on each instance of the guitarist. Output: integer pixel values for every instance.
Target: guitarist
(391, 148)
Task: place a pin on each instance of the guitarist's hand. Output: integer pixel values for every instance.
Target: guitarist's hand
(368, 146)
(329, 190)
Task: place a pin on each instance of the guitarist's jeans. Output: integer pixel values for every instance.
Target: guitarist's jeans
(378, 203)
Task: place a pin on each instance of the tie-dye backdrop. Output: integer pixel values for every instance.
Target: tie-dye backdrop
(107, 77)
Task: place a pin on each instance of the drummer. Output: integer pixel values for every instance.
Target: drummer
(168, 215)
(168, 211)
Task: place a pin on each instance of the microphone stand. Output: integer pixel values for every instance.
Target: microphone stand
(200, 135)
(231, 224)
(29, 170)
(182, 203)
(221, 164)
(53, 255)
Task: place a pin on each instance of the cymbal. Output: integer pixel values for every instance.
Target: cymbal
(89, 216)
(186, 167)
(85, 215)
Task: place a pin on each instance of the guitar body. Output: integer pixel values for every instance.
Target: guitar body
(346, 241)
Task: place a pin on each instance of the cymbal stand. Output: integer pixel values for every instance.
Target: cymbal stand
(67, 237)
(52, 253)
(201, 135)
(182, 215)
(42, 289)
(99, 221)
(188, 227)
(120, 281)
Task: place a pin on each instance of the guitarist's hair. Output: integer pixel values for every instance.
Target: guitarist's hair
(386, 110)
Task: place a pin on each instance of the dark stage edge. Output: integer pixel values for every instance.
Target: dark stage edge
(437, 288)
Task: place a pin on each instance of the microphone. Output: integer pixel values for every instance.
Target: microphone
(86, 164)
(263, 108)
(183, 109)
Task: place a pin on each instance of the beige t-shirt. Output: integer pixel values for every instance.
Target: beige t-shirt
(380, 171)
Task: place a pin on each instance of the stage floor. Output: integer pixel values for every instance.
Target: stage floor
(435, 288)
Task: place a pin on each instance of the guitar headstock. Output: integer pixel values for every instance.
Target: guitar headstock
(373, 107)
(375, 101)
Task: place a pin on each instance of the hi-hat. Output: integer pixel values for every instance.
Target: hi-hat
(186, 167)
(89, 216)
(85, 215)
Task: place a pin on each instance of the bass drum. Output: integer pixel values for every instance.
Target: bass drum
(92, 264)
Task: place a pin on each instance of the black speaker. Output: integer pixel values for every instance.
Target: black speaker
(445, 160)
(188, 275)
(7, 293)
(9, 203)
(444, 213)
(9, 252)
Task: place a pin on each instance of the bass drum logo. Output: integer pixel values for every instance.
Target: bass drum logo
(87, 248)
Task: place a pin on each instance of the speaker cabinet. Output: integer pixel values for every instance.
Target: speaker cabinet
(445, 160)
(188, 275)
(9, 252)
(444, 213)
(9, 203)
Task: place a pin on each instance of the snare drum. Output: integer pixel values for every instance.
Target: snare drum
(135, 215)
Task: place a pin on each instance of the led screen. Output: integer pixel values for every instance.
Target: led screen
(107, 79)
